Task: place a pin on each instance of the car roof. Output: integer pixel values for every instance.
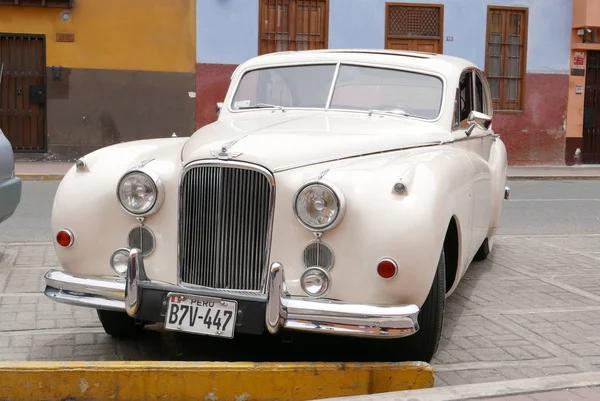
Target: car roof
(433, 62)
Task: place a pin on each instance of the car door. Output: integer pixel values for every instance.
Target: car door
(475, 139)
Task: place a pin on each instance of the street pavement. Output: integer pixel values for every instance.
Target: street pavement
(536, 207)
(531, 310)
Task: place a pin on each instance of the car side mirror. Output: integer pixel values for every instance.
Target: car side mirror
(219, 107)
(479, 120)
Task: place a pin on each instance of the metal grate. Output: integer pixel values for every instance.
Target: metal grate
(141, 238)
(319, 254)
(293, 25)
(225, 224)
(414, 21)
(23, 91)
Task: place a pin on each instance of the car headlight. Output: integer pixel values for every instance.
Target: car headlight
(319, 206)
(140, 191)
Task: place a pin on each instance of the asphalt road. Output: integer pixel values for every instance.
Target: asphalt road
(536, 207)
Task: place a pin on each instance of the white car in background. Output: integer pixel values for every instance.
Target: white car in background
(10, 185)
(342, 192)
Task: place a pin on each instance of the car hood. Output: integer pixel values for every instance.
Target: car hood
(281, 141)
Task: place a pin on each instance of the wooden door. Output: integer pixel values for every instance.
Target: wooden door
(293, 25)
(419, 45)
(23, 91)
(414, 27)
(591, 111)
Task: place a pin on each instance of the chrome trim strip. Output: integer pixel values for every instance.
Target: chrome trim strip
(352, 156)
(267, 251)
(332, 87)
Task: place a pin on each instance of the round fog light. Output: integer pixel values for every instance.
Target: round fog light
(118, 261)
(316, 282)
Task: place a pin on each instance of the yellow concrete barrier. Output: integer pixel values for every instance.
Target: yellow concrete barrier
(206, 381)
(41, 177)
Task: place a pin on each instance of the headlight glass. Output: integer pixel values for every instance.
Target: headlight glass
(137, 192)
(317, 206)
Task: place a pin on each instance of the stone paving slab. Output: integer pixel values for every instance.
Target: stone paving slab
(531, 310)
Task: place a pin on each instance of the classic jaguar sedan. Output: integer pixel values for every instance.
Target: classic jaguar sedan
(341, 192)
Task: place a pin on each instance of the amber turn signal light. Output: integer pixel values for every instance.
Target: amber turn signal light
(387, 268)
(65, 238)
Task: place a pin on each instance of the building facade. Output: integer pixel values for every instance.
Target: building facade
(524, 47)
(78, 75)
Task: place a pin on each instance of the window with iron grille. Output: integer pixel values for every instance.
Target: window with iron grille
(38, 3)
(293, 25)
(506, 53)
(409, 21)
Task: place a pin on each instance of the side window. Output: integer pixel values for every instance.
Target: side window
(465, 100)
(484, 94)
(480, 102)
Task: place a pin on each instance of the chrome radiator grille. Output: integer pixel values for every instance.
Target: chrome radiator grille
(225, 226)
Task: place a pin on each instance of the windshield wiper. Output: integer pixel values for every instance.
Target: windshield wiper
(395, 112)
(264, 106)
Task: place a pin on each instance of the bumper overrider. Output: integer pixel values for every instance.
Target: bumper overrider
(147, 300)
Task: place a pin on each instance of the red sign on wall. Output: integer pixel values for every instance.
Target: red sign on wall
(578, 60)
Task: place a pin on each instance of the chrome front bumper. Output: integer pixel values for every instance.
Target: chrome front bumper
(282, 310)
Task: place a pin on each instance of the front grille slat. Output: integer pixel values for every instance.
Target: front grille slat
(225, 221)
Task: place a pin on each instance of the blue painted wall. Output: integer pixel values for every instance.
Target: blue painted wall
(361, 23)
(227, 30)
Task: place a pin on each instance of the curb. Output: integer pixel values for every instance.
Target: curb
(212, 381)
(488, 390)
(554, 178)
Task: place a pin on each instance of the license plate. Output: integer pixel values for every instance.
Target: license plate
(201, 315)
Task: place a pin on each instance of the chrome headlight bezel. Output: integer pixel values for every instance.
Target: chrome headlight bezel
(158, 189)
(339, 197)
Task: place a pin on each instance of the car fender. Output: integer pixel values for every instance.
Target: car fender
(411, 232)
(86, 203)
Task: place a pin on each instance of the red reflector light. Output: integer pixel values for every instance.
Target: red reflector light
(387, 268)
(64, 238)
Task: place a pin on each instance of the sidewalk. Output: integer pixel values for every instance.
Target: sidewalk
(567, 387)
(41, 171)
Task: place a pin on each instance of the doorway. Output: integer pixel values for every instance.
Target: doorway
(23, 91)
(416, 27)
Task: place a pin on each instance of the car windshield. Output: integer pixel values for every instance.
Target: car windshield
(373, 89)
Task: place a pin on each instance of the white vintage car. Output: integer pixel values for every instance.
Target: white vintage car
(340, 191)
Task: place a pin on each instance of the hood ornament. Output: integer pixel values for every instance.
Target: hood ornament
(224, 153)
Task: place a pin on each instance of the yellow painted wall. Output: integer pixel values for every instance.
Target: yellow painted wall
(147, 35)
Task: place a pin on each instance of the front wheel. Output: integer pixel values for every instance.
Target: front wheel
(423, 345)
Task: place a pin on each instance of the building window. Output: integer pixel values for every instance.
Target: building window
(414, 27)
(293, 25)
(506, 60)
(38, 3)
